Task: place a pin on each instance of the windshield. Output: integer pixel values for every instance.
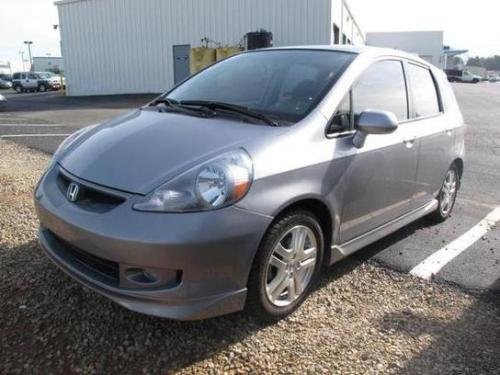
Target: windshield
(284, 84)
(46, 75)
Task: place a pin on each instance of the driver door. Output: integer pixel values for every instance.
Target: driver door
(380, 177)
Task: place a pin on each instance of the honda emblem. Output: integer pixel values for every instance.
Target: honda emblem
(72, 192)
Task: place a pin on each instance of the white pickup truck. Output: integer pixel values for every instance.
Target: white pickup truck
(455, 75)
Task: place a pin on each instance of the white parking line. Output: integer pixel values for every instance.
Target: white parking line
(33, 135)
(434, 263)
(32, 125)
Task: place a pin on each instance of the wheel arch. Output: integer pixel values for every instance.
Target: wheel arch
(320, 210)
(459, 163)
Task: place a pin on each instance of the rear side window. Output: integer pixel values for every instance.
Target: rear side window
(16, 76)
(382, 87)
(425, 96)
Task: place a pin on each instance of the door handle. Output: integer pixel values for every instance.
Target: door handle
(410, 142)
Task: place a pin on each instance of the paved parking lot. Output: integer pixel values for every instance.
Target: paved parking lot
(43, 120)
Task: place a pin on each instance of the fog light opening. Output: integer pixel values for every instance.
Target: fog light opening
(141, 276)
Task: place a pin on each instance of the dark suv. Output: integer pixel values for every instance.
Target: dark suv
(35, 81)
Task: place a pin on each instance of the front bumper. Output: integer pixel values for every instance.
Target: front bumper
(204, 257)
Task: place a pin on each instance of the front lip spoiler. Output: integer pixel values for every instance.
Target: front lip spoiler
(179, 309)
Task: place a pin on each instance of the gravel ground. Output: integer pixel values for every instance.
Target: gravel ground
(363, 318)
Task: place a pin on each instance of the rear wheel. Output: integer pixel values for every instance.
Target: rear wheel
(18, 89)
(286, 266)
(447, 195)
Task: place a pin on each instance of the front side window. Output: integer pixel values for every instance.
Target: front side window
(284, 84)
(32, 76)
(382, 87)
(425, 97)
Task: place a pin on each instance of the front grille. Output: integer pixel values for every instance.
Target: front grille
(106, 268)
(89, 197)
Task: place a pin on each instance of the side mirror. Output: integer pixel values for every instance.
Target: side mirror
(374, 122)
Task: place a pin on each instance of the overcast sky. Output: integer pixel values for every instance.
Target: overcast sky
(469, 25)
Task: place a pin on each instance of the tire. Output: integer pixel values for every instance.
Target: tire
(447, 198)
(18, 89)
(296, 273)
(42, 88)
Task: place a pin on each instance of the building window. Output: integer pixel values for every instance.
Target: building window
(344, 39)
(336, 34)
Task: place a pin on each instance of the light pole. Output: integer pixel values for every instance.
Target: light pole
(29, 43)
(22, 59)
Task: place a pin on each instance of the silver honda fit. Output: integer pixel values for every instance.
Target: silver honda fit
(235, 187)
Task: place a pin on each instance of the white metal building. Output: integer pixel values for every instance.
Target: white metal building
(48, 64)
(426, 44)
(5, 67)
(133, 46)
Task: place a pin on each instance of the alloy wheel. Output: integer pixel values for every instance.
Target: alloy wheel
(291, 266)
(448, 192)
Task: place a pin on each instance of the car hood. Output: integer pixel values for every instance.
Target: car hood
(138, 152)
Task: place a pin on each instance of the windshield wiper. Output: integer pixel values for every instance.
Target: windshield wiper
(231, 108)
(167, 101)
(174, 106)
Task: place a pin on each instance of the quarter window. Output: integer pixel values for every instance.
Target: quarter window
(342, 119)
(382, 87)
(425, 97)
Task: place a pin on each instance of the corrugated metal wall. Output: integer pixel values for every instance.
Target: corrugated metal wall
(125, 46)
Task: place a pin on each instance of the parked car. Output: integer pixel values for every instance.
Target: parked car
(35, 81)
(6, 77)
(233, 189)
(3, 102)
(465, 76)
(5, 84)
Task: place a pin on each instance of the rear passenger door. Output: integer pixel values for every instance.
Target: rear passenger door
(435, 139)
(379, 181)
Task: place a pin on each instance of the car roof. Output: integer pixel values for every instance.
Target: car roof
(359, 50)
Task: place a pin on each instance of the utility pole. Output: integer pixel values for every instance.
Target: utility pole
(22, 59)
(29, 43)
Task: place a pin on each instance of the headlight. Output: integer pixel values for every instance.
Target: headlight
(69, 140)
(217, 183)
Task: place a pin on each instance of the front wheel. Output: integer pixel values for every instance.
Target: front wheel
(286, 266)
(447, 195)
(42, 88)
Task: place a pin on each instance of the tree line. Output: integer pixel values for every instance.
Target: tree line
(490, 63)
